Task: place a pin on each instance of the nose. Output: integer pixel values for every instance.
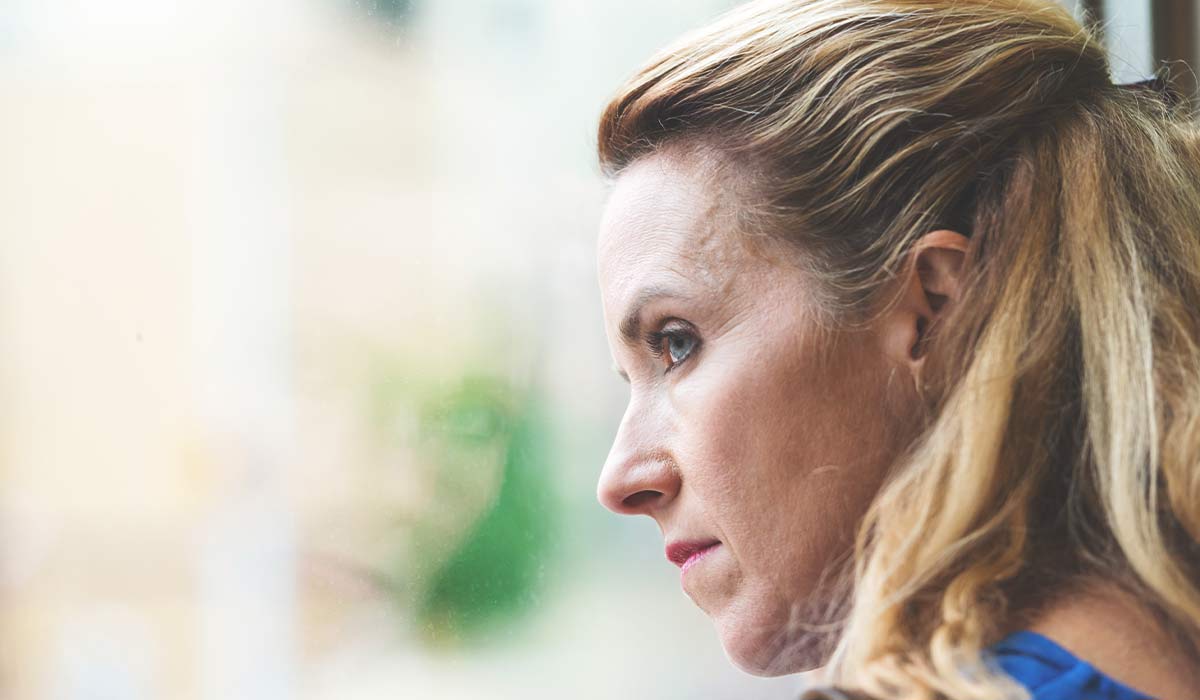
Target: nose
(639, 476)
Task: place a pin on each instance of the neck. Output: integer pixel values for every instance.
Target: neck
(1120, 637)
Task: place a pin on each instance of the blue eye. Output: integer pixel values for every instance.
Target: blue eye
(675, 342)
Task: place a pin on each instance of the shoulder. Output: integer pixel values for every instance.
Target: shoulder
(1040, 665)
(832, 694)
(1050, 672)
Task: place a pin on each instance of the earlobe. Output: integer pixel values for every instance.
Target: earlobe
(917, 351)
(940, 273)
(938, 260)
(905, 323)
(930, 284)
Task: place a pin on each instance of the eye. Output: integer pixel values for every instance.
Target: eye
(676, 342)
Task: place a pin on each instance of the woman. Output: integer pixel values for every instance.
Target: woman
(908, 296)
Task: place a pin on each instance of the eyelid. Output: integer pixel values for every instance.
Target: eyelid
(669, 327)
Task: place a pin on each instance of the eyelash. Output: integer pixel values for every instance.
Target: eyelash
(654, 341)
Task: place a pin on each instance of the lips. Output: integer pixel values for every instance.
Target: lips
(685, 553)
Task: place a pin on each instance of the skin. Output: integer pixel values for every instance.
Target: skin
(750, 427)
(769, 436)
(1143, 655)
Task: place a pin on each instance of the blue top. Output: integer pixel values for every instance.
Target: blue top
(1053, 673)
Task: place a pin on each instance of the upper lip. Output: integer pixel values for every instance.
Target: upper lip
(680, 551)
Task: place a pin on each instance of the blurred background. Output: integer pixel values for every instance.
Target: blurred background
(303, 384)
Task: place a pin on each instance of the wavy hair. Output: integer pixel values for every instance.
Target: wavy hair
(1061, 437)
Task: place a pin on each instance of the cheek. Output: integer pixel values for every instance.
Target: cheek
(782, 452)
(745, 436)
(757, 414)
(717, 424)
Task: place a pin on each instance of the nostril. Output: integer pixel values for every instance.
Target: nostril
(640, 499)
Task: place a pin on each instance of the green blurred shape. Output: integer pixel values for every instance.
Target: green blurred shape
(476, 412)
(499, 571)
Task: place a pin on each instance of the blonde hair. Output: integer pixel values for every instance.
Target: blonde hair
(1062, 436)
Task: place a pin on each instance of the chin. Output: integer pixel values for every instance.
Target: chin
(767, 648)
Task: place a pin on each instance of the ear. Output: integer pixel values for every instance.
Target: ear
(929, 285)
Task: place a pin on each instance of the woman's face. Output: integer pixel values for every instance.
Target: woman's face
(737, 432)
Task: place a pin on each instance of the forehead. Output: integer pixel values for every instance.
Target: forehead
(664, 223)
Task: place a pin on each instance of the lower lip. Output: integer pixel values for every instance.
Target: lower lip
(692, 560)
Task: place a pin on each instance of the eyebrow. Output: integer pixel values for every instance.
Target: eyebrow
(630, 326)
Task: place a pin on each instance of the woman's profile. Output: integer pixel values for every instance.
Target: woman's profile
(907, 293)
